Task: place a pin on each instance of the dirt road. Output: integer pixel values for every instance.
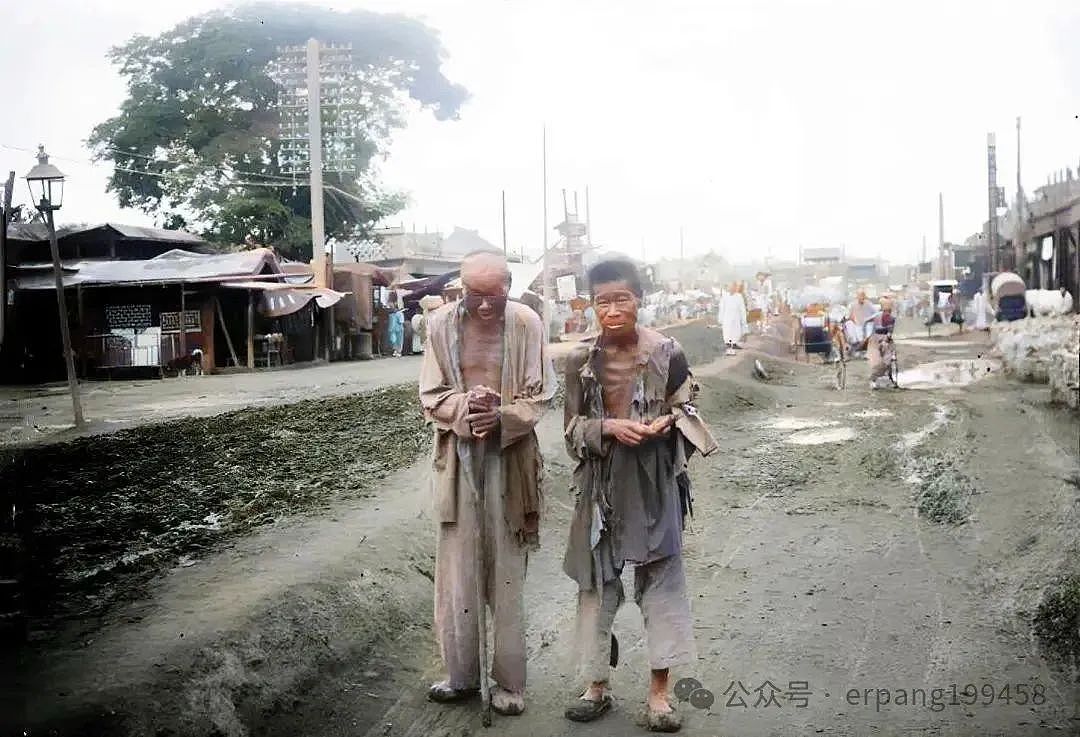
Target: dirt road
(36, 414)
(848, 548)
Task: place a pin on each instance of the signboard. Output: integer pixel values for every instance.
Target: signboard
(127, 317)
(567, 287)
(170, 322)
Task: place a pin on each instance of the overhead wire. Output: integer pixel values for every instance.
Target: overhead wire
(275, 180)
(285, 184)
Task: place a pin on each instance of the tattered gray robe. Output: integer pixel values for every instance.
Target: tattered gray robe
(628, 508)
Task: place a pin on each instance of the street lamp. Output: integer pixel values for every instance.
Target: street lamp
(46, 184)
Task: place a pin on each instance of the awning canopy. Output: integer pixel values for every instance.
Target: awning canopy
(175, 266)
(278, 300)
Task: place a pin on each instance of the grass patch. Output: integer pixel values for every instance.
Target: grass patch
(1057, 621)
(945, 493)
(100, 516)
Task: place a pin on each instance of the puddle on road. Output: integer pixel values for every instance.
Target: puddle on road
(799, 423)
(911, 440)
(821, 437)
(938, 343)
(947, 374)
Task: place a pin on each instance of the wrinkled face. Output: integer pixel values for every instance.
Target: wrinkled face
(485, 282)
(616, 308)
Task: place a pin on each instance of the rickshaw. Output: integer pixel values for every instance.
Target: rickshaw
(1008, 293)
(937, 289)
(818, 333)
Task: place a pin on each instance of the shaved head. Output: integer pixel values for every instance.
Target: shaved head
(486, 278)
(484, 266)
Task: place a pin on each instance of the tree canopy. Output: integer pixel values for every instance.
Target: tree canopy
(196, 140)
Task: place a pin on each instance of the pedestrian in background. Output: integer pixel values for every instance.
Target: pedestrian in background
(396, 328)
(981, 310)
(861, 312)
(417, 323)
(732, 317)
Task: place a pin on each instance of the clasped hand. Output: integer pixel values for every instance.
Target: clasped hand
(633, 433)
(483, 414)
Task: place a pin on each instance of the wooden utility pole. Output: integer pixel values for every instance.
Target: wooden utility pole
(318, 227)
(183, 330)
(991, 202)
(941, 235)
(251, 329)
(549, 289)
(504, 220)
(682, 264)
(65, 328)
(5, 218)
(1021, 205)
(588, 220)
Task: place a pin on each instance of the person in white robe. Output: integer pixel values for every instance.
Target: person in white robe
(732, 318)
(982, 311)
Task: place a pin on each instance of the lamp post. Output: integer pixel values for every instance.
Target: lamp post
(46, 184)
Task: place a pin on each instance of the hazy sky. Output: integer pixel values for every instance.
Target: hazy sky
(758, 126)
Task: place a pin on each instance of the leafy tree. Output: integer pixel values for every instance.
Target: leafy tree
(195, 141)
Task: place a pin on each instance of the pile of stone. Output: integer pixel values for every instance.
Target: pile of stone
(1044, 350)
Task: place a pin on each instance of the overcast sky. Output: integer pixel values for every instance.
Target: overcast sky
(757, 126)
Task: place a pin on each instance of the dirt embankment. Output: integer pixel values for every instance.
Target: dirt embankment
(99, 516)
(100, 520)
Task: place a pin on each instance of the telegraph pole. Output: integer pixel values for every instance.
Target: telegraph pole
(991, 201)
(1021, 205)
(941, 235)
(318, 227)
(682, 264)
(302, 72)
(504, 220)
(5, 216)
(588, 220)
(549, 289)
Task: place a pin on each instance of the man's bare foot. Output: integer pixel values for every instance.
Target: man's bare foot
(659, 703)
(660, 716)
(595, 691)
(507, 703)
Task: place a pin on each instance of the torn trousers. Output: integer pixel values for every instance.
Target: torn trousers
(502, 569)
(660, 593)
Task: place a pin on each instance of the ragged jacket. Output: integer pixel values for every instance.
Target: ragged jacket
(628, 507)
(528, 385)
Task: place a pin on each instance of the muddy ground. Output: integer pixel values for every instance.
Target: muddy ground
(890, 541)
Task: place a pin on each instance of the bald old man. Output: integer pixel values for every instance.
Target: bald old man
(486, 378)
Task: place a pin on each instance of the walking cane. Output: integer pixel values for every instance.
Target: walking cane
(481, 603)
